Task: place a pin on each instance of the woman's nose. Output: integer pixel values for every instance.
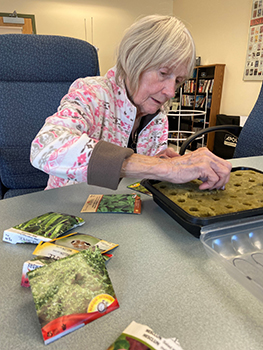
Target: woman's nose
(169, 88)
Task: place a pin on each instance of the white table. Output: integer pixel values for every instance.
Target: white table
(161, 275)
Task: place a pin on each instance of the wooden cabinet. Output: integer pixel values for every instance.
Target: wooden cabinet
(203, 92)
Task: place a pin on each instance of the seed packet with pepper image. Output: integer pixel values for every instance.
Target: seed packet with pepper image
(113, 203)
(42, 228)
(136, 186)
(140, 337)
(71, 292)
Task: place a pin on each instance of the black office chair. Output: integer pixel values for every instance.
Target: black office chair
(35, 73)
(251, 134)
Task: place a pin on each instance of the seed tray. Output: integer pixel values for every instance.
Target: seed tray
(191, 223)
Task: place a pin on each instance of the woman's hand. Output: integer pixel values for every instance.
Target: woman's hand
(169, 152)
(200, 164)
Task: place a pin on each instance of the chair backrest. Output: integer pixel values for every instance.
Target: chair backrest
(35, 73)
(250, 140)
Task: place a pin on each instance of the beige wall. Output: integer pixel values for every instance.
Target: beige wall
(110, 19)
(220, 29)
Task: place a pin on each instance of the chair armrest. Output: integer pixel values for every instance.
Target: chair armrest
(199, 133)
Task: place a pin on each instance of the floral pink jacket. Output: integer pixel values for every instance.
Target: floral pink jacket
(94, 109)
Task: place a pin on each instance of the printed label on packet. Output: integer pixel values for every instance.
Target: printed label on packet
(92, 203)
(100, 303)
(139, 336)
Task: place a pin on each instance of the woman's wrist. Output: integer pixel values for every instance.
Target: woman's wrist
(140, 166)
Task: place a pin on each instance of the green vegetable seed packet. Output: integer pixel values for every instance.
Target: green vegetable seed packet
(136, 186)
(71, 292)
(42, 228)
(113, 203)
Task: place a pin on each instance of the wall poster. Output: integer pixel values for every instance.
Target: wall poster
(254, 58)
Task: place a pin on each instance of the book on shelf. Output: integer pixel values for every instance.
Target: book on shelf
(187, 100)
(189, 86)
(211, 86)
(200, 101)
(201, 85)
(209, 100)
(205, 85)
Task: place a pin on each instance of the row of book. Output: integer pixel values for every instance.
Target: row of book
(188, 100)
(201, 100)
(189, 86)
(206, 85)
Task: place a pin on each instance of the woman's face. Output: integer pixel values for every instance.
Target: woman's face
(156, 87)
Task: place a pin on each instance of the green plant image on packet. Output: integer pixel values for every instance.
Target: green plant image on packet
(51, 224)
(71, 290)
(117, 203)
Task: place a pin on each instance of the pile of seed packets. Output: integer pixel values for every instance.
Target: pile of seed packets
(67, 275)
(47, 252)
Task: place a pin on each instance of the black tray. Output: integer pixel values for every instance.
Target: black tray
(191, 223)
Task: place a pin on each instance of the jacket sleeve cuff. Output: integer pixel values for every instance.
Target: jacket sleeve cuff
(105, 164)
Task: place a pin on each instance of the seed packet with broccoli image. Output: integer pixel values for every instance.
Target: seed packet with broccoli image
(42, 228)
(140, 337)
(71, 292)
(67, 245)
(136, 186)
(113, 203)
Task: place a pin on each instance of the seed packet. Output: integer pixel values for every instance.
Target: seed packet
(47, 252)
(113, 203)
(41, 261)
(67, 245)
(31, 265)
(136, 186)
(71, 292)
(140, 337)
(42, 228)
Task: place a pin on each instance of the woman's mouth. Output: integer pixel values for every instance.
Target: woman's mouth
(156, 101)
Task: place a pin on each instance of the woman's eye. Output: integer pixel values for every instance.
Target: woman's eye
(163, 73)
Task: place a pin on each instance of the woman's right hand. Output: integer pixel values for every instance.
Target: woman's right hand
(201, 164)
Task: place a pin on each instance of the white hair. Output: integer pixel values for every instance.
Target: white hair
(150, 43)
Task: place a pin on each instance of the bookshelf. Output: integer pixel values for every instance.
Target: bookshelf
(202, 92)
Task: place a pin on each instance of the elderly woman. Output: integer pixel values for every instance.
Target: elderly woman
(115, 126)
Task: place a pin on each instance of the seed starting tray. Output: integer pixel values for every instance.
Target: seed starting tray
(194, 224)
